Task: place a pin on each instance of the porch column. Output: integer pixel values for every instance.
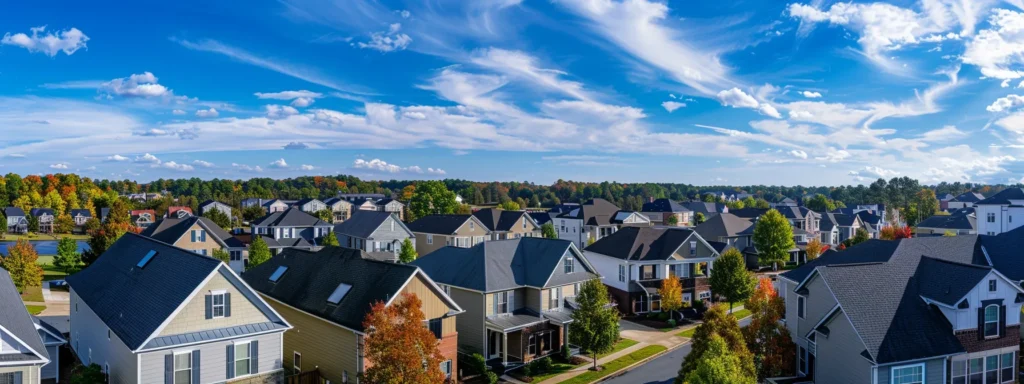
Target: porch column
(504, 348)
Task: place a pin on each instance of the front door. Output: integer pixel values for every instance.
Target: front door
(494, 345)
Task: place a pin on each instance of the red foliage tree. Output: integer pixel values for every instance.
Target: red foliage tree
(889, 232)
(774, 351)
(399, 348)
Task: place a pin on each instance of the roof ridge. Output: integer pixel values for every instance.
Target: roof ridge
(183, 250)
(986, 267)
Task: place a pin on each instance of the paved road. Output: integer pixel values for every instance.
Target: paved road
(662, 370)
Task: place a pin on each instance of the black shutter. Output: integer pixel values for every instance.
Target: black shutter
(981, 323)
(169, 368)
(231, 361)
(227, 304)
(209, 307)
(195, 366)
(1002, 320)
(254, 358)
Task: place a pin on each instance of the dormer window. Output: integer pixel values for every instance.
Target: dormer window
(992, 321)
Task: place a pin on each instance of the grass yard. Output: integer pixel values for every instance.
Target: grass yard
(556, 369)
(617, 365)
(34, 294)
(741, 314)
(620, 345)
(50, 272)
(35, 309)
(687, 333)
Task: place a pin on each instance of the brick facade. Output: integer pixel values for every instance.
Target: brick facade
(972, 343)
(449, 347)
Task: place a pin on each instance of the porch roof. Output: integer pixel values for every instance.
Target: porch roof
(517, 320)
(560, 315)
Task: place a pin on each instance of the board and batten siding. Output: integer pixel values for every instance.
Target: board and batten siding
(322, 344)
(384, 234)
(192, 317)
(433, 306)
(213, 358)
(838, 356)
(933, 371)
(471, 323)
(89, 332)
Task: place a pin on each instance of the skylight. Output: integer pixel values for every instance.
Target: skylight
(277, 274)
(339, 293)
(145, 259)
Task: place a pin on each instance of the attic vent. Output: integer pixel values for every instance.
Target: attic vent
(339, 293)
(145, 259)
(277, 274)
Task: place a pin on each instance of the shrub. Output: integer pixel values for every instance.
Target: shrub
(528, 369)
(475, 364)
(663, 316)
(672, 323)
(565, 352)
(492, 378)
(541, 366)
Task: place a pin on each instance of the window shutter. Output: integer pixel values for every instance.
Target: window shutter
(169, 368)
(193, 235)
(209, 307)
(981, 323)
(254, 359)
(231, 361)
(1002, 320)
(494, 303)
(203, 233)
(195, 366)
(227, 304)
(511, 301)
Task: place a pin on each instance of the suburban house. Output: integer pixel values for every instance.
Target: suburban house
(44, 217)
(391, 205)
(965, 200)
(143, 218)
(995, 214)
(661, 212)
(24, 355)
(944, 201)
(837, 227)
(148, 312)
(342, 208)
(736, 232)
(784, 203)
(80, 216)
(960, 222)
(921, 310)
(798, 217)
(53, 339)
(252, 202)
(17, 222)
(361, 196)
(378, 233)
(508, 224)
(326, 295)
(200, 235)
(208, 205)
(437, 231)
(290, 228)
(594, 220)
(276, 205)
(879, 210)
(179, 212)
(873, 223)
(364, 205)
(634, 261)
(518, 295)
(705, 209)
(310, 206)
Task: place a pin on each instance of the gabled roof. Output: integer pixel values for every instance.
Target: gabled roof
(792, 213)
(503, 264)
(540, 218)
(383, 202)
(291, 217)
(175, 209)
(959, 222)
(13, 211)
(363, 223)
(499, 220)
(1004, 251)
(702, 207)
(14, 318)
(724, 225)
(969, 197)
(305, 201)
(41, 211)
(1003, 197)
(664, 205)
(208, 202)
(312, 277)
(593, 212)
(947, 282)
(442, 224)
(642, 243)
(80, 212)
(169, 230)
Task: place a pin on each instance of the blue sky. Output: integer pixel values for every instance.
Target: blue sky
(736, 92)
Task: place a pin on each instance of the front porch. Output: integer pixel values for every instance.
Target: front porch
(516, 340)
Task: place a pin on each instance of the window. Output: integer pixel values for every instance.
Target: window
(242, 353)
(236, 255)
(108, 334)
(1010, 218)
(569, 265)
(655, 303)
(471, 226)
(647, 272)
(524, 223)
(693, 248)
(447, 289)
(991, 217)
(435, 327)
(992, 369)
(297, 362)
(976, 368)
(501, 302)
(218, 304)
(704, 295)
(1007, 364)
(145, 259)
(687, 297)
(958, 371)
(992, 285)
(802, 355)
(800, 306)
(183, 368)
(911, 374)
(339, 293)
(622, 273)
(992, 321)
(446, 367)
(198, 235)
(106, 372)
(554, 294)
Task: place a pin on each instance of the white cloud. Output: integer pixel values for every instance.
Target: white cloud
(147, 158)
(142, 85)
(946, 133)
(376, 165)
(879, 172)
(306, 167)
(178, 112)
(67, 41)
(810, 94)
(999, 50)
(206, 113)
(202, 164)
(15, 156)
(436, 171)
(275, 112)
(117, 158)
(1005, 103)
(245, 167)
(671, 106)
(300, 99)
(736, 98)
(279, 163)
(768, 110)
(302, 102)
(798, 153)
(59, 166)
(177, 167)
(521, 65)
(390, 40)
(833, 155)
(800, 115)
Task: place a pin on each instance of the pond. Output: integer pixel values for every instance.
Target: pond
(43, 247)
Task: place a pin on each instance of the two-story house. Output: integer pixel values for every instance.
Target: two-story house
(517, 294)
(735, 232)
(326, 296)
(921, 310)
(391, 205)
(708, 210)
(17, 221)
(45, 218)
(666, 211)
(80, 216)
(379, 233)
(179, 212)
(798, 217)
(142, 218)
(508, 224)
(960, 221)
(635, 260)
(965, 200)
(837, 227)
(149, 312)
(200, 235)
(593, 220)
(208, 205)
(342, 208)
(995, 214)
(310, 206)
(26, 355)
(437, 231)
(291, 228)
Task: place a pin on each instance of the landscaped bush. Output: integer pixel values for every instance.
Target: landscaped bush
(492, 378)
(663, 316)
(565, 352)
(474, 363)
(672, 323)
(541, 366)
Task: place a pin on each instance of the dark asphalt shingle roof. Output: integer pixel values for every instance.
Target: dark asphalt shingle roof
(1004, 251)
(664, 205)
(946, 281)
(705, 208)
(792, 213)
(593, 212)
(15, 318)
(439, 224)
(363, 223)
(312, 277)
(962, 222)
(80, 212)
(214, 334)
(169, 230)
(13, 211)
(1003, 197)
(498, 220)
(642, 243)
(969, 197)
(541, 217)
(41, 211)
(291, 217)
(724, 225)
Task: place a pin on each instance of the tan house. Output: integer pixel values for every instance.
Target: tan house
(199, 235)
(508, 224)
(342, 209)
(437, 231)
(518, 295)
(326, 295)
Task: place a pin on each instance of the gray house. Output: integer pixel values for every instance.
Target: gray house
(310, 206)
(208, 205)
(291, 228)
(17, 222)
(45, 217)
(922, 310)
(80, 216)
(148, 312)
(25, 357)
(378, 233)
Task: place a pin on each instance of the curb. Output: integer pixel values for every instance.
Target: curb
(629, 368)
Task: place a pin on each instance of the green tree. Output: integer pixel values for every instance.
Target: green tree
(672, 220)
(762, 204)
(730, 278)
(820, 203)
(68, 259)
(20, 262)
(407, 253)
(325, 215)
(118, 223)
(699, 217)
(548, 230)
(927, 204)
(595, 326)
(259, 253)
(253, 212)
(330, 240)
(710, 198)
(220, 218)
(432, 197)
(87, 374)
(534, 201)
(723, 325)
(773, 238)
(949, 233)
(63, 224)
(33, 222)
(860, 236)
(718, 365)
(509, 206)
(222, 255)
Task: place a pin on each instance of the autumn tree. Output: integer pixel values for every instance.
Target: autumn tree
(548, 230)
(730, 278)
(407, 253)
(595, 326)
(766, 337)
(220, 218)
(399, 348)
(20, 262)
(68, 258)
(63, 224)
(949, 233)
(671, 293)
(717, 365)
(432, 197)
(33, 222)
(222, 255)
(259, 252)
(814, 249)
(117, 224)
(773, 238)
(509, 206)
(723, 325)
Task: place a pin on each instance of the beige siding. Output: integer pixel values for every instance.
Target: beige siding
(465, 230)
(471, 323)
(535, 299)
(518, 228)
(321, 344)
(422, 248)
(185, 242)
(489, 304)
(568, 290)
(192, 317)
(29, 373)
(433, 305)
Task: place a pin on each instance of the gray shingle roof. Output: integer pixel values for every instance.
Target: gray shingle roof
(541, 217)
(641, 243)
(519, 319)
(498, 220)
(1004, 251)
(291, 217)
(500, 265)
(170, 230)
(439, 224)
(80, 212)
(946, 281)
(663, 205)
(362, 223)
(960, 222)
(60, 325)
(724, 225)
(969, 197)
(593, 212)
(41, 211)
(1003, 197)
(705, 208)
(16, 320)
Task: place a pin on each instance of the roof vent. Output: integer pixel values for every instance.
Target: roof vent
(145, 259)
(339, 293)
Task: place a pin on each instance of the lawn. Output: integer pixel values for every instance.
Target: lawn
(620, 345)
(687, 333)
(50, 272)
(617, 365)
(560, 368)
(34, 294)
(741, 314)
(35, 309)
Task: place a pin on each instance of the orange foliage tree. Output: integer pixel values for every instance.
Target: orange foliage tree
(399, 348)
(889, 232)
(769, 341)
(20, 262)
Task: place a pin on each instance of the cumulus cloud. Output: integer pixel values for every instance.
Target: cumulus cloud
(245, 167)
(207, 113)
(379, 165)
(736, 98)
(671, 106)
(306, 167)
(275, 112)
(202, 164)
(147, 158)
(878, 172)
(177, 167)
(798, 153)
(998, 51)
(59, 166)
(117, 158)
(178, 112)
(799, 115)
(810, 94)
(390, 40)
(143, 85)
(68, 41)
(279, 163)
(300, 99)
(1006, 103)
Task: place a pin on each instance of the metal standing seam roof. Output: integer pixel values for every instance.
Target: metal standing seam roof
(16, 320)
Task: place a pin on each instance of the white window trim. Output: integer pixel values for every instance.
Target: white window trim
(174, 366)
(622, 273)
(296, 367)
(234, 367)
(924, 372)
(213, 303)
(985, 321)
(800, 298)
(430, 239)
